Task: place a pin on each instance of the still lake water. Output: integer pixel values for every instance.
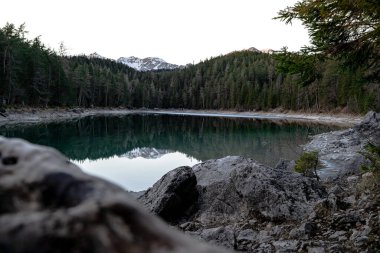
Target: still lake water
(135, 150)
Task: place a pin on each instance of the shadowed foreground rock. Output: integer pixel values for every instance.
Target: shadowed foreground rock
(172, 196)
(48, 205)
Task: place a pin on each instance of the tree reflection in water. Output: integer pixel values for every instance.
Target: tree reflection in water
(199, 137)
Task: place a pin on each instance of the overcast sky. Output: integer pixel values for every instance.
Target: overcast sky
(179, 31)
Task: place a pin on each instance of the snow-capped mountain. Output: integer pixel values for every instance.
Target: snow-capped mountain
(147, 64)
(148, 153)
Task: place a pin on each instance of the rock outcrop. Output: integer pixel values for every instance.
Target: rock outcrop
(232, 189)
(369, 128)
(236, 197)
(47, 204)
(339, 150)
(173, 195)
(338, 153)
(245, 206)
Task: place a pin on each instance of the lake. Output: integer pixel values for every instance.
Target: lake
(135, 150)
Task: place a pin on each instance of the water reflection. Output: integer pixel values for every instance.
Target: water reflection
(136, 173)
(92, 141)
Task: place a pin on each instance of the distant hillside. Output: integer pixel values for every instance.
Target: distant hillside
(243, 80)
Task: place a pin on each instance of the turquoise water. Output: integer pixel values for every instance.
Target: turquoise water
(135, 150)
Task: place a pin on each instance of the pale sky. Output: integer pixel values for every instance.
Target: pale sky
(179, 31)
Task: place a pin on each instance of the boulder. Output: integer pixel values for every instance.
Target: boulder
(232, 189)
(49, 205)
(237, 201)
(370, 127)
(172, 195)
(339, 151)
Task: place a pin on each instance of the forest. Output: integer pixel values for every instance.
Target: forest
(35, 76)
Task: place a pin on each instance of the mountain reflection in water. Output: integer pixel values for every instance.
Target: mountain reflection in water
(136, 173)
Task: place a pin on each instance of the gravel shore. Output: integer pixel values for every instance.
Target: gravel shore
(36, 115)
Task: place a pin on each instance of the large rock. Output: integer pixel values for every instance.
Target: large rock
(339, 151)
(172, 195)
(369, 128)
(237, 197)
(249, 207)
(233, 189)
(49, 205)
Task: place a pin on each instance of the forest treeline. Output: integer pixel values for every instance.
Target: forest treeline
(33, 75)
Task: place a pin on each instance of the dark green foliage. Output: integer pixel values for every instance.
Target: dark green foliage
(99, 82)
(31, 74)
(307, 164)
(302, 63)
(372, 154)
(346, 30)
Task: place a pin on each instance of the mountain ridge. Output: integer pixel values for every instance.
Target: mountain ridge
(156, 63)
(148, 63)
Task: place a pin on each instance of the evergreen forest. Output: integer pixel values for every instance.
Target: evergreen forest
(33, 75)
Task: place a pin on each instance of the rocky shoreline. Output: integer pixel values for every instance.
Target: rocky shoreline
(258, 209)
(38, 115)
(339, 150)
(47, 203)
(246, 206)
